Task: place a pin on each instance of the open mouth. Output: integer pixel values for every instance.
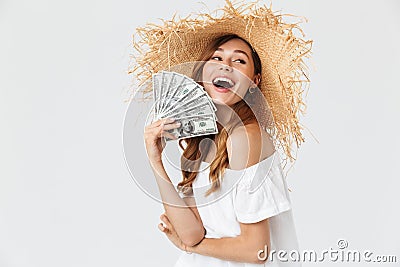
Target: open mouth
(223, 82)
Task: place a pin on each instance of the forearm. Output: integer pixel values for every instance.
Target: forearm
(229, 248)
(187, 226)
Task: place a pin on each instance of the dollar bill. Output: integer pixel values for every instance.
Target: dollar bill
(179, 96)
(165, 80)
(184, 107)
(197, 110)
(156, 92)
(195, 126)
(193, 98)
(189, 89)
(175, 84)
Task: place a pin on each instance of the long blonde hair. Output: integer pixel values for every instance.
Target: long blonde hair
(192, 154)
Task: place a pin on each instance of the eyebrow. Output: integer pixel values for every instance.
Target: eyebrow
(235, 51)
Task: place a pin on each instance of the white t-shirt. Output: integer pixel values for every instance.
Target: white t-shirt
(248, 196)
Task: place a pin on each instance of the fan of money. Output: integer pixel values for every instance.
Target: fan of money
(180, 97)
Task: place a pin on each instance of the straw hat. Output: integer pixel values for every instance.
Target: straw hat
(284, 74)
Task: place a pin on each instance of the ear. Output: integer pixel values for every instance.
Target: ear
(257, 79)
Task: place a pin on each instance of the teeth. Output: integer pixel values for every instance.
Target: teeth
(224, 80)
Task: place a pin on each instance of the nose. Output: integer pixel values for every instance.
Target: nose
(225, 67)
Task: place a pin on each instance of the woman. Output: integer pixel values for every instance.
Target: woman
(254, 215)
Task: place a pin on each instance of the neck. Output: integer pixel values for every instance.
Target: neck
(221, 113)
(224, 113)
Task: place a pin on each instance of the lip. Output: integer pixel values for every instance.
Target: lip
(224, 77)
(220, 89)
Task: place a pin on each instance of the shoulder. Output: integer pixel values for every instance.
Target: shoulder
(248, 145)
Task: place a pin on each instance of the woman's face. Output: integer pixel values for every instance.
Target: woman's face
(229, 73)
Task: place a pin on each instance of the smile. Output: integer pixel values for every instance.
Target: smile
(223, 83)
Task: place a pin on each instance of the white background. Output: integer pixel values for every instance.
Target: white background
(66, 196)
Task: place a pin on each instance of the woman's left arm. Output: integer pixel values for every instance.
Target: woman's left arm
(252, 245)
(243, 248)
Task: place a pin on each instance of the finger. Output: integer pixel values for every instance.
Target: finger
(168, 224)
(164, 229)
(163, 127)
(171, 126)
(155, 131)
(166, 221)
(152, 134)
(168, 135)
(163, 142)
(161, 227)
(161, 216)
(166, 218)
(161, 122)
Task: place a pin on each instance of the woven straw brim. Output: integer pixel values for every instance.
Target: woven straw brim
(284, 73)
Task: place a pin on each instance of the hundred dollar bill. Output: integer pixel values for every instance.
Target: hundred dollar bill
(165, 80)
(188, 90)
(176, 88)
(156, 92)
(195, 126)
(204, 97)
(182, 99)
(176, 104)
(185, 92)
(172, 89)
(188, 111)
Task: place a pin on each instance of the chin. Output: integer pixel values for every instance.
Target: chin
(223, 101)
(227, 99)
(222, 96)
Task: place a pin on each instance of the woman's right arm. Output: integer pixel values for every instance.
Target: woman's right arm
(182, 214)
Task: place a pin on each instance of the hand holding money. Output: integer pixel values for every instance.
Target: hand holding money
(180, 97)
(153, 134)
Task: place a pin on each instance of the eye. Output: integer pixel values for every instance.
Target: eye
(241, 61)
(217, 58)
